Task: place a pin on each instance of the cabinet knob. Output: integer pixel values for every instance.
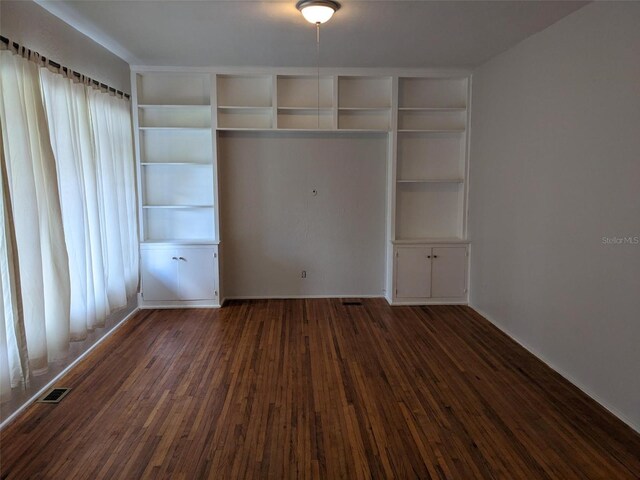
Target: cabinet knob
(182, 258)
(435, 256)
(428, 256)
(174, 258)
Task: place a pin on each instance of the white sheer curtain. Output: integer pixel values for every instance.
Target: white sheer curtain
(34, 198)
(112, 133)
(70, 131)
(92, 142)
(14, 368)
(67, 160)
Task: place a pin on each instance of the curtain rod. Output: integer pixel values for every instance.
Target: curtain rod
(6, 41)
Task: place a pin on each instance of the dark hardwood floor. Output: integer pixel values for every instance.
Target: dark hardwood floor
(316, 389)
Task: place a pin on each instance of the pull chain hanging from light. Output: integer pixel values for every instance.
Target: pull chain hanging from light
(318, 71)
(317, 12)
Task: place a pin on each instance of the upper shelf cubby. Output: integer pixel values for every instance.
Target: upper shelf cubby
(305, 92)
(364, 92)
(162, 116)
(244, 91)
(432, 93)
(173, 89)
(432, 120)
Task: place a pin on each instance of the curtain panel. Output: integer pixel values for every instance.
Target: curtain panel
(34, 199)
(68, 252)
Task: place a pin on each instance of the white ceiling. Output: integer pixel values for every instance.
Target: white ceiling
(368, 33)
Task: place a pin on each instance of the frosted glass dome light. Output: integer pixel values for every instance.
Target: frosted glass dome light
(317, 11)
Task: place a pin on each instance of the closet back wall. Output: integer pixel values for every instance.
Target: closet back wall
(274, 227)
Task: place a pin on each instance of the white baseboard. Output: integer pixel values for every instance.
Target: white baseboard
(400, 303)
(55, 379)
(298, 297)
(168, 305)
(164, 304)
(560, 372)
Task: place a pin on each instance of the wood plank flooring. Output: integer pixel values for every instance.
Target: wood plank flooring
(295, 389)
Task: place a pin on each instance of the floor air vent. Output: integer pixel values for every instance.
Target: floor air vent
(351, 303)
(54, 395)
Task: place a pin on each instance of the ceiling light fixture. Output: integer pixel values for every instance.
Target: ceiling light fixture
(317, 11)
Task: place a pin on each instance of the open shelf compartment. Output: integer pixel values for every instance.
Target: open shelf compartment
(432, 93)
(429, 210)
(295, 91)
(173, 88)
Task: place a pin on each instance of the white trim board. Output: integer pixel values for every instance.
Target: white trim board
(300, 297)
(426, 303)
(560, 372)
(68, 368)
(176, 305)
(326, 71)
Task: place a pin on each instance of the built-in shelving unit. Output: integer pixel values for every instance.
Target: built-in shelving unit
(304, 102)
(429, 249)
(176, 157)
(179, 116)
(431, 158)
(177, 187)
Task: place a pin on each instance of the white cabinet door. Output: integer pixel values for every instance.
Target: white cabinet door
(448, 272)
(196, 273)
(413, 272)
(159, 274)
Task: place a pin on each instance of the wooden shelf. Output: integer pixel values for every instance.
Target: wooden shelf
(433, 180)
(176, 206)
(181, 241)
(245, 129)
(432, 109)
(177, 128)
(317, 130)
(429, 131)
(423, 240)
(176, 106)
(153, 164)
(355, 130)
(418, 241)
(243, 107)
(308, 109)
(363, 109)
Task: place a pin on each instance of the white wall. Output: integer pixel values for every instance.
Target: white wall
(28, 24)
(555, 167)
(273, 227)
